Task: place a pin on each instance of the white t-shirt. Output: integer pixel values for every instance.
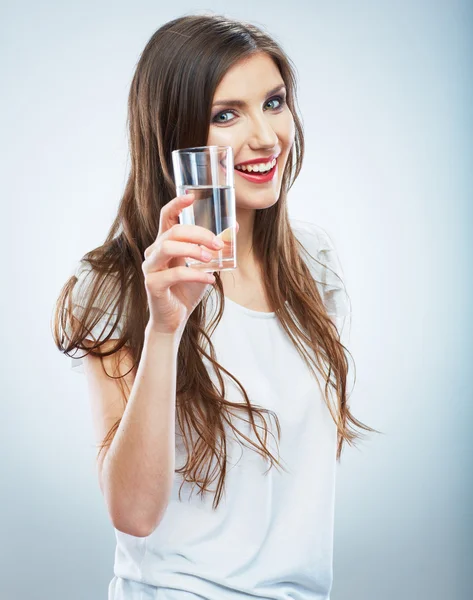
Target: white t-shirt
(272, 534)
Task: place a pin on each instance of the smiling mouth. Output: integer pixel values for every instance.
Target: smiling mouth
(248, 167)
(256, 176)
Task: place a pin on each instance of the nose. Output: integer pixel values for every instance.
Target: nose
(262, 135)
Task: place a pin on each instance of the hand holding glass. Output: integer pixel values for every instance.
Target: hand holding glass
(207, 172)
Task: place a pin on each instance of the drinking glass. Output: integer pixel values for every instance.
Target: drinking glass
(207, 172)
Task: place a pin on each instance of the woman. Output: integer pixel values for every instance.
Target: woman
(179, 368)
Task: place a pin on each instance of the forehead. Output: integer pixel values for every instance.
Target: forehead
(250, 77)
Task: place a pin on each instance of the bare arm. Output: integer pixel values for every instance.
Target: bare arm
(137, 472)
(138, 469)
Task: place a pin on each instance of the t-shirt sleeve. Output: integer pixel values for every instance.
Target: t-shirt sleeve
(328, 274)
(106, 319)
(334, 293)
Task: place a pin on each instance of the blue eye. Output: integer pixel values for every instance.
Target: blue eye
(279, 99)
(225, 112)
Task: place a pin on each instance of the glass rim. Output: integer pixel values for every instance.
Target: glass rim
(201, 148)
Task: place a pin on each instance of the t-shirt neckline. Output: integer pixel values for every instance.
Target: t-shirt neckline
(250, 312)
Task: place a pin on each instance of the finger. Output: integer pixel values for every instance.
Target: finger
(159, 281)
(169, 215)
(169, 249)
(195, 234)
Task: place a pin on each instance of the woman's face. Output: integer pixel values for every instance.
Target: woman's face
(260, 125)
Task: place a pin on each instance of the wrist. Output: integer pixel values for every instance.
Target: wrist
(152, 335)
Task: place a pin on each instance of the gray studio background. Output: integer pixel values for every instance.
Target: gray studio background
(385, 91)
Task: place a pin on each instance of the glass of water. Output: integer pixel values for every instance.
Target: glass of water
(207, 172)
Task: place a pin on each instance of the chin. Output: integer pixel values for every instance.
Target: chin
(255, 203)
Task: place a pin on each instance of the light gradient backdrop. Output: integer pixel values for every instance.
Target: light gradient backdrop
(386, 97)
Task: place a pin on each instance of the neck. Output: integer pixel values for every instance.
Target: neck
(246, 265)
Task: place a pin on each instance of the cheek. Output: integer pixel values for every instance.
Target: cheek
(287, 131)
(223, 136)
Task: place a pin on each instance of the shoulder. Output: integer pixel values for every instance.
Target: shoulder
(85, 275)
(96, 297)
(318, 250)
(312, 236)
(94, 285)
(323, 261)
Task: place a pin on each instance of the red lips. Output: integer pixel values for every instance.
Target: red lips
(255, 161)
(257, 177)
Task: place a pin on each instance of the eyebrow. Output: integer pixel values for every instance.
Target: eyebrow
(242, 103)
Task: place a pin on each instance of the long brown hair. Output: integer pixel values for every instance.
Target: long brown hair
(169, 107)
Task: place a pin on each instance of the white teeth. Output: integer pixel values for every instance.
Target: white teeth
(259, 168)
